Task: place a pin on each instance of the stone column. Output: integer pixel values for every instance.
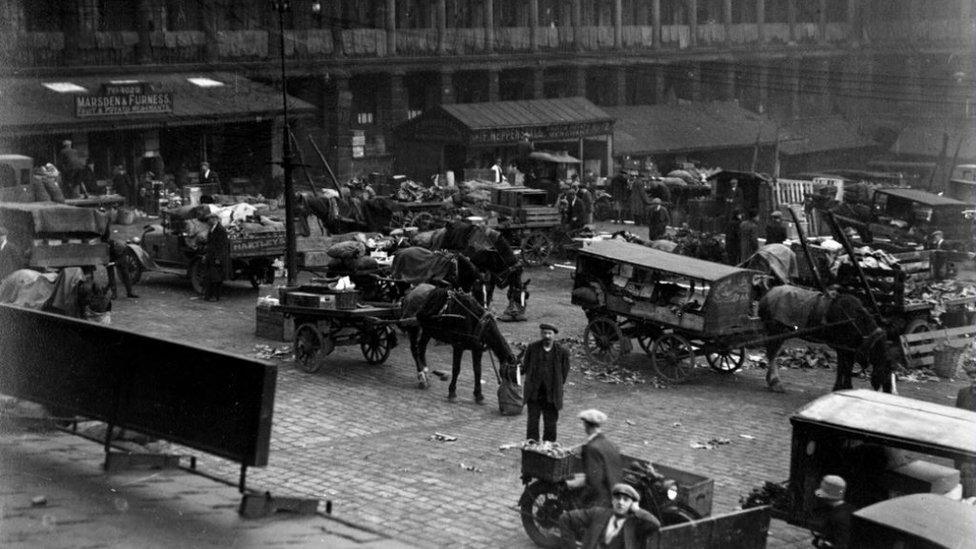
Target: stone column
(446, 87)
(762, 84)
(538, 83)
(489, 25)
(694, 78)
(391, 27)
(793, 84)
(208, 19)
(343, 126)
(823, 85)
(534, 24)
(618, 24)
(656, 22)
(620, 84)
(660, 84)
(144, 47)
(761, 20)
(578, 24)
(440, 9)
(337, 48)
(494, 91)
(693, 23)
(728, 82)
(396, 100)
(727, 19)
(579, 81)
(822, 23)
(791, 19)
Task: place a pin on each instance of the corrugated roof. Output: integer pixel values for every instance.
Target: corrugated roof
(25, 103)
(924, 423)
(652, 129)
(924, 140)
(923, 197)
(536, 112)
(810, 135)
(620, 250)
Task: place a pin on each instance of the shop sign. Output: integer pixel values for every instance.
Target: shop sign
(123, 99)
(541, 133)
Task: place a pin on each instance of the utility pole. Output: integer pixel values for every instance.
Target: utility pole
(291, 265)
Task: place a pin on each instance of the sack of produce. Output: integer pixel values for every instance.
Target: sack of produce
(347, 250)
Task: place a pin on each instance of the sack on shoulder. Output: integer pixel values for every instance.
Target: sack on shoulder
(510, 398)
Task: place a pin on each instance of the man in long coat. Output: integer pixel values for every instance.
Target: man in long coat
(546, 370)
(216, 258)
(638, 201)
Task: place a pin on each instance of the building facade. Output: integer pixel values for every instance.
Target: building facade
(369, 65)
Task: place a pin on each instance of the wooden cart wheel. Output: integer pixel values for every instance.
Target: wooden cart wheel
(536, 248)
(673, 358)
(726, 360)
(646, 334)
(376, 343)
(308, 348)
(423, 221)
(603, 340)
(918, 325)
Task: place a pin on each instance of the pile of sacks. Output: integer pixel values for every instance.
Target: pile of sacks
(866, 257)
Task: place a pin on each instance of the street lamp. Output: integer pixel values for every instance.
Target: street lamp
(291, 265)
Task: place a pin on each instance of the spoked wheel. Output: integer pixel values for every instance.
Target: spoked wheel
(308, 348)
(603, 340)
(646, 334)
(726, 360)
(541, 506)
(673, 358)
(536, 248)
(424, 221)
(376, 343)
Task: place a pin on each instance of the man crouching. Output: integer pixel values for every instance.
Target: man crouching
(625, 526)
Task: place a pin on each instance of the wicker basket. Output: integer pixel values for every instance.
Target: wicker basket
(946, 358)
(548, 468)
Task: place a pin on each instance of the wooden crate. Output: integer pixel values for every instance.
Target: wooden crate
(918, 349)
(271, 323)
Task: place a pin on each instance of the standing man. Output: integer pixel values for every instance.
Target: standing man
(11, 256)
(620, 189)
(732, 239)
(586, 196)
(575, 209)
(658, 220)
(602, 465)
(546, 370)
(748, 236)
(71, 166)
(216, 258)
(938, 256)
(638, 201)
(833, 517)
(624, 525)
(209, 177)
(775, 231)
(117, 251)
(496, 171)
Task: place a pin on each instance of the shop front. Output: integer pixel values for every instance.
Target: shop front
(158, 126)
(467, 139)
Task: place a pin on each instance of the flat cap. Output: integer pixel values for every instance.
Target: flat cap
(776, 213)
(655, 201)
(625, 489)
(593, 417)
(547, 326)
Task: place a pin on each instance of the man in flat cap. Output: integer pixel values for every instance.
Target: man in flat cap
(658, 220)
(546, 369)
(216, 257)
(624, 525)
(11, 256)
(775, 231)
(602, 465)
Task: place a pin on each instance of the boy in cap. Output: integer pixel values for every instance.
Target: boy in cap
(602, 465)
(624, 525)
(546, 370)
(833, 521)
(775, 231)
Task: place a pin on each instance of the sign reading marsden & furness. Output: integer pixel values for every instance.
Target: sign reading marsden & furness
(122, 99)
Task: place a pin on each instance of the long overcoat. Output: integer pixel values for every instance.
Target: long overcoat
(536, 374)
(216, 254)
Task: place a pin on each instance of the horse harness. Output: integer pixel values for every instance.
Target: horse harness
(483, 319)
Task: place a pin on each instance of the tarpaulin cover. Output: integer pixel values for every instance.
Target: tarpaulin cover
(793, 306)
(34, 290)
(781, 260)
(39, 218)
(416, 265)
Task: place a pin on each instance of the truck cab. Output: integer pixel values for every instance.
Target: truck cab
(915, 213)
(15, 178)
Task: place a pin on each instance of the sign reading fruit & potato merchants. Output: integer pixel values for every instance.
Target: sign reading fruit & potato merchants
(123, 99)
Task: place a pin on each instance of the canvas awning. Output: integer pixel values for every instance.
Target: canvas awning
(509, 122)
(85, 103)
(671, 129)
(558, 158)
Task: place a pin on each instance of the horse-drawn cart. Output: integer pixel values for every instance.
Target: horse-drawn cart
(325, 319)
(423, 215)
(526, 220)
(679, 309)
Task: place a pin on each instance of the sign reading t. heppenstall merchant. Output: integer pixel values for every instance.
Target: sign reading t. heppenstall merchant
(121, 99)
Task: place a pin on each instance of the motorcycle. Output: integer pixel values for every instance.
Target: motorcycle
(543, 502)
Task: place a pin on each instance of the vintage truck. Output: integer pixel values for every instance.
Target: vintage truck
(174, 246)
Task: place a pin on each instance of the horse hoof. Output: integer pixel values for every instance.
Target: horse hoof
(479, 399)
(776, 388)
(452, 397)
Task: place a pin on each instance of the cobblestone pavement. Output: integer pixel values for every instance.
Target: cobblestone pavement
(359, 435)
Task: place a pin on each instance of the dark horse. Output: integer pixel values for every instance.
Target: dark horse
(841, 322)
(70, 292)
(458, 319)
(343, 215)
(416, 265)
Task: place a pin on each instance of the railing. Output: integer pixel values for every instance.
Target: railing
(676, 36)
(364, 42)
(926, 30)
(638, 36)
(744, 33)
(777, 32)
(838, 32)
(596, 38)
(248, 44)
(309, 42)
(711, 34)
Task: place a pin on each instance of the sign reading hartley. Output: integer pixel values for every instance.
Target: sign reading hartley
(122, 99)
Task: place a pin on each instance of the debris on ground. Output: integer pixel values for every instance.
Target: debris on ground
(797, 357)
(441, 437)
(920, 375)
(676, 424)
(768, 494)
(270, 352)
(510, 446)
(630, 422)
(471, 468)
(747, 437)
(38, 501)
(711, 443)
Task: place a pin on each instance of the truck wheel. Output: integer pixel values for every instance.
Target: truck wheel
(918, 325)
(132, 265)
(197, 275)
(541, 506)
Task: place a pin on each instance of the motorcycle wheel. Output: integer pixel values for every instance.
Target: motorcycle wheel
(541, 506)
(678, 514)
